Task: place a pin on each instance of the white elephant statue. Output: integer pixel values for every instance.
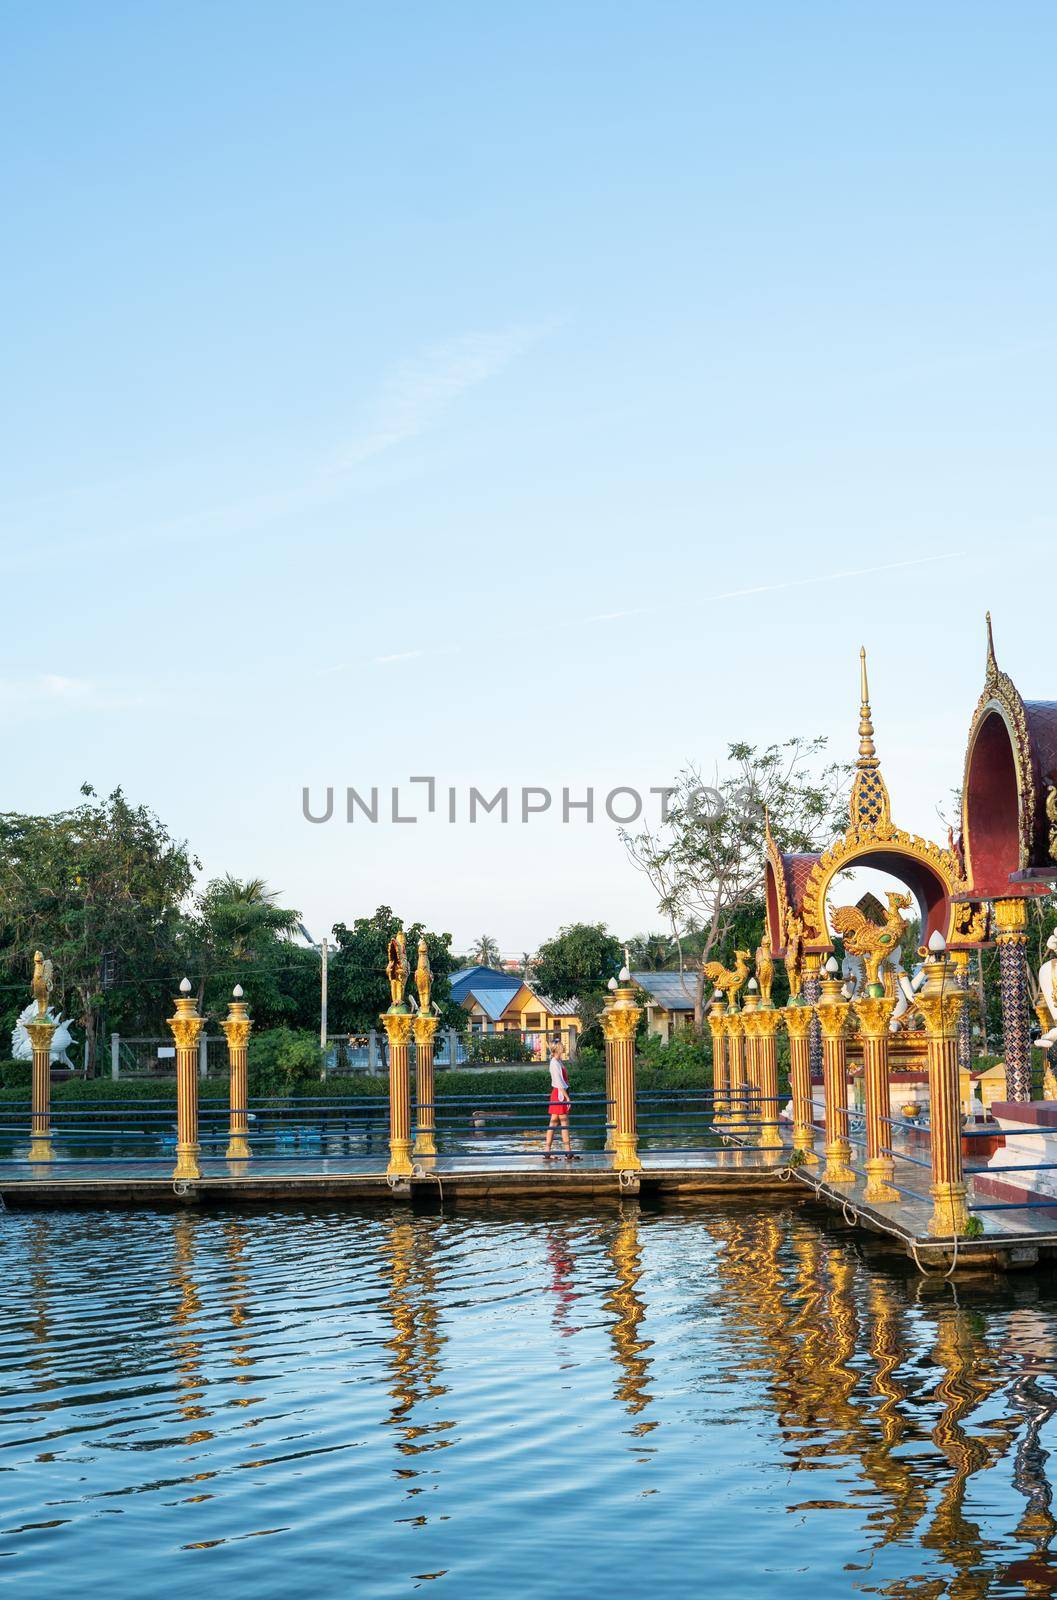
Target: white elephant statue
(1048, 990)
(61, 1039)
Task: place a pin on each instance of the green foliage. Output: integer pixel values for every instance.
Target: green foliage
(16, 1074)
(282, 1062)
(797, 1158)
(579, 960)
(104, 880)
(358, 988)
(498, 1047)
(973, 1229)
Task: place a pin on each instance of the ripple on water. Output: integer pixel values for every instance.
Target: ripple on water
(369, 1403)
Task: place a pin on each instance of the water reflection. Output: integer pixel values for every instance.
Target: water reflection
(888, 1435)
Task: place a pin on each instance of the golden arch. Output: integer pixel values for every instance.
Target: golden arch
(932, 875)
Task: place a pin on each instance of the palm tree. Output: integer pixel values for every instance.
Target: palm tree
(486, 952)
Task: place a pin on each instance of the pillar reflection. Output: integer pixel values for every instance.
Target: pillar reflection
(187, 1344)
(416, 1342)
(629, 1310)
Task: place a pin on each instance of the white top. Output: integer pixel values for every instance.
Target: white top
(558, 1079)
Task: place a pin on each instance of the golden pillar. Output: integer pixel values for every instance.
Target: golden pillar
(1011, 937)
(397, 1025)
(41, 1031)
(425, 1029)
(624, 1017)
(874, 1014)
(720, 1068)
(749, 1009)
(798, 1020)
(832, 1014)
(236, 1026)
(40, 1037)
(185, 1026)
(940, 1002)
(734, 1032)
(609, 1039)
(766, 1026)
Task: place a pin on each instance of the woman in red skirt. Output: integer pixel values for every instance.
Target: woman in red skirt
(560, 1103)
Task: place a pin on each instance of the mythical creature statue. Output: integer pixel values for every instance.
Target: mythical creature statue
(61, 1039)
(970, 922)
(396, 969)
(1048, 995)
(870, 940)
(729, 982)
(764, 968)
(794, 953)
(424, 979)
(42, 975)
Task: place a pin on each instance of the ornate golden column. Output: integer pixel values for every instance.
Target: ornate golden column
(624, 1020)
(832, 1013)
(185, 1026)
(41, 1031)
(397, 1024)
(940, 1002)
(874, 1013)
(734, 1033)
(720, 1066)
(1011, 936)
(798, 1019)
(749, 1008)
(425, 1028)
(608, 1037)
(766, 1024)
(236, 1026)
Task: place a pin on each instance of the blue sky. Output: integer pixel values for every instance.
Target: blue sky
(392, 390)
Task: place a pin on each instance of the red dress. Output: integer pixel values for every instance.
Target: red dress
(559, 1102)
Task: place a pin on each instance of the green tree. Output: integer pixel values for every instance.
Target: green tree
(100, 889)
(485, 952)
(705, 862)
(653, 952)
(358, 987)
(581, 957)
(242, 935)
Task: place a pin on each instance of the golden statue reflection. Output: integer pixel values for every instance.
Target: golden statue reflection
(416, 1342)
(187, 1346)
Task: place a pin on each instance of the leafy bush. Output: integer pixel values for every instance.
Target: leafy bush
(498, 1047)
(16, 1074)
(282, 1062)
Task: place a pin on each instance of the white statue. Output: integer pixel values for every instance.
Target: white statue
(1048, 990)
(907, 993)
(61, 1039)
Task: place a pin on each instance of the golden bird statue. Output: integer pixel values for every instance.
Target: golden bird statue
(41, 983)
(720, 977)
(872, 941)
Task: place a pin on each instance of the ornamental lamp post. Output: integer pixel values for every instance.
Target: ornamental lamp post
(749, 1008)
(397, 1022)
(874, 1013)
(623, 1021)
(940, 1001)
(185, 1026)
(720, 1071)
(799, 1016)
(236, 1026)
(609, 1038)
(766, 1024)
(425, 1027)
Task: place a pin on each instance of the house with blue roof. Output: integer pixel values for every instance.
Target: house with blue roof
(500, 1002)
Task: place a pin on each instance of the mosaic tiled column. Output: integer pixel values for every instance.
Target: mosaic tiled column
(720, 1069)
(425, 1028)
(1011, 935)
(812, 991)
(873, 1015)
(832, 1013)
(236, 1026)
(940, 1002)
(185, 1026)
(798, 1020)
(397, 1025)
(960, 961)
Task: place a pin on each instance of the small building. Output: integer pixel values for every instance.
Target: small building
(499, 1002)
(668, 998)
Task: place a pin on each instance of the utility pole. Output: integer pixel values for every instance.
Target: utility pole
(323, 954)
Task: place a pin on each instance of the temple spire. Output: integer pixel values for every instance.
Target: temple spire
(867, 749)
(992, 664)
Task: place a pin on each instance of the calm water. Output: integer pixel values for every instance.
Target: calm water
(545, 1404)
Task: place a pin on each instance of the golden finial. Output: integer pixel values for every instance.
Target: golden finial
(867, 750)
(992, 664)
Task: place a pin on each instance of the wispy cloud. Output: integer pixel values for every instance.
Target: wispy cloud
(417, 393)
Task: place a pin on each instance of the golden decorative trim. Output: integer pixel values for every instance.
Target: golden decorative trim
(397, 1025)
(1011, 920)
(798, 1020)
(425, 1028)
(1001, 695)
